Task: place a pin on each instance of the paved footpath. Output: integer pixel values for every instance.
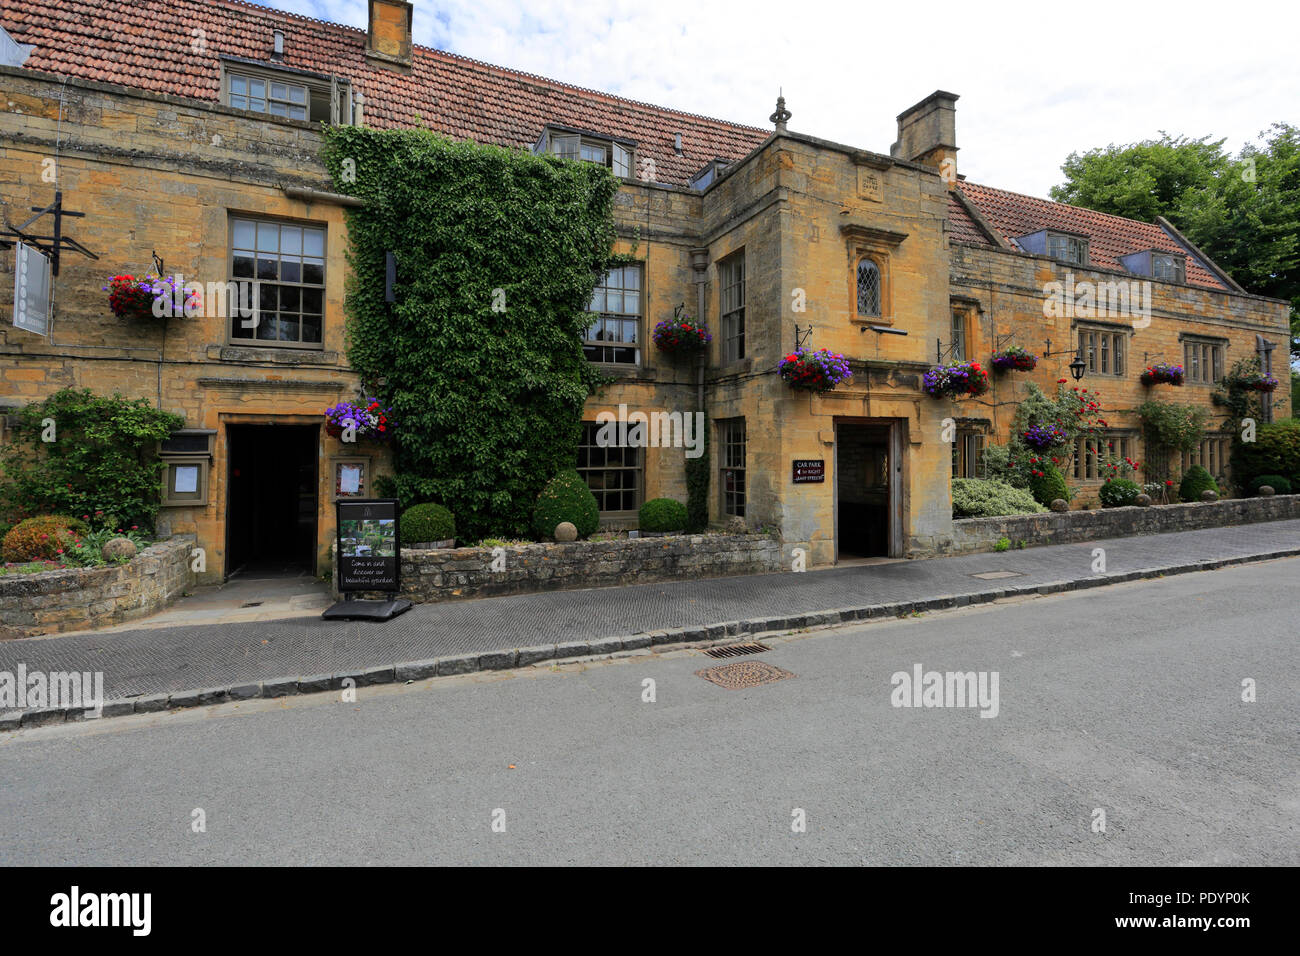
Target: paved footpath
(161, 667)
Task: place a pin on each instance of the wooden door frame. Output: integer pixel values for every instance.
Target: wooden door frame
(896, 430)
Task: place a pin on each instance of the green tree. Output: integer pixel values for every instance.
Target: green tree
(1243, 211)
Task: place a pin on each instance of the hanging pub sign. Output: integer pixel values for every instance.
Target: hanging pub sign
(369, 552)
(808, 471)
(31, 289)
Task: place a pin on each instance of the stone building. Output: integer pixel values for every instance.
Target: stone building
(190, 132)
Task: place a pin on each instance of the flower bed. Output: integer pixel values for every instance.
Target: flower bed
(818, 371)
(1163, 373)
(1014, 359)
(956, 380)
(368, 420)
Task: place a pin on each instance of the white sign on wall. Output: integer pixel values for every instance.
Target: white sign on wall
(31, 289)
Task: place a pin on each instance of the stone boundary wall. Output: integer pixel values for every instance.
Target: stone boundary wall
(75, 599)
(455, 573)
(981, 534)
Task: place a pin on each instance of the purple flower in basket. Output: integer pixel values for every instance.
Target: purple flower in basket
(1043, 437)
(365, 417)
(818, 371)
(1014, 358)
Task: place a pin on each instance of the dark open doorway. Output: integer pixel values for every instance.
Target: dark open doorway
(271, 510)
(862, 475)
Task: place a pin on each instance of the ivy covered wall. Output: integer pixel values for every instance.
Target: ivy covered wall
(480, 356)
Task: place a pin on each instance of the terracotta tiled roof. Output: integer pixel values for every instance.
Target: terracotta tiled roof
(1109, 237)
(961, 226)
(155, 45)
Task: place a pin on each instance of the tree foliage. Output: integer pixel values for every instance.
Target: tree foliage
(481, 357)
(102, 462)
(1243, 211)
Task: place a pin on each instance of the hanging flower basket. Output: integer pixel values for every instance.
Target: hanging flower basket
(681, 334)
(1043, 437)
(956, 380)
(133, 297)
(818, 371)
(1259, 382)
(1162, 373)
(1014, 359)
(370, 421)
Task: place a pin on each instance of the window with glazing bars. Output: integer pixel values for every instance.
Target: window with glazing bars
(868, 289)
(733, 468)
(612, 472)
(967, 453)
(1103, 351)
(1089, 453)
(287, 263)
(614, 335)
(1203, 361)
(732, 277)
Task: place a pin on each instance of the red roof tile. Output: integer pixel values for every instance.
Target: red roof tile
(173, 46)
(1014, 215)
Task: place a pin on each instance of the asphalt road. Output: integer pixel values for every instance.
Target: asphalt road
(1126, 699)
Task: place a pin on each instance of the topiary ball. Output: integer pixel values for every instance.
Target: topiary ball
(662, 514)
(1118, 493)
(427, 523)
(566, 497)
(1196, 481)
(1048, 485)
(119, 550)
(1280, 485)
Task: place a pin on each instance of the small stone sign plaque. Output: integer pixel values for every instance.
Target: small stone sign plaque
(809, 471)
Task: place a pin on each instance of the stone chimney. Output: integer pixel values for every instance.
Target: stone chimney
(388, 42)
(927, 134)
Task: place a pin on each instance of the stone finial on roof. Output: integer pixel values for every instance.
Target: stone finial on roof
(782, 115)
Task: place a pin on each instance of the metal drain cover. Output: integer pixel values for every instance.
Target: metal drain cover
(252, 604)
(743, 674)
(994, 575)
(737, 650)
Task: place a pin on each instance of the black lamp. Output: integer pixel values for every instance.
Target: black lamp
(1077, 367)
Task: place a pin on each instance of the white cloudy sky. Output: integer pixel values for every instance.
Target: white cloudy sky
(1036, 80)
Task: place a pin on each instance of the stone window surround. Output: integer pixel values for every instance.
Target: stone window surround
(316, 83)
(1081, 327)
(876, 245)
(728, 443)
(1219, 362)
(230, 339)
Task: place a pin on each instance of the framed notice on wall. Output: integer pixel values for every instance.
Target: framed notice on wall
(369, 545)
(805, 471)
(351, 477)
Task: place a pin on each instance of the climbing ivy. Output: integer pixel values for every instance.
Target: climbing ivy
(1169, 429)
(480, 356)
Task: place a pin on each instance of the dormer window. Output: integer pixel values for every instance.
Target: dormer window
(708, 174)
(287, 93)
(571, 144)
(1167, 267)
(1069, 249)
(1066, 247)
(1157, 263)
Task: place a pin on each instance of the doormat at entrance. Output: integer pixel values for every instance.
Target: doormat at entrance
(743, 674)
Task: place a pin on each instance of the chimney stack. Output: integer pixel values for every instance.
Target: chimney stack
(388, 42)
(927, 134)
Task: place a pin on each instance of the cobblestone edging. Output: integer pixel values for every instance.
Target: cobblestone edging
(981, 534)
(526, 656)
(74, 599)
(454, 573)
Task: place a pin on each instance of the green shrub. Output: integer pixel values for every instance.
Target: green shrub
(44, 538)
(1003, 544)
(104, 459)
(427, 522)
(1118, 492)
(662, 514)
(1195, 481)
(984, 498)
(566, 497)
(1275, 450)
(1048, 485)
(1279, 484)
(482, 348)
